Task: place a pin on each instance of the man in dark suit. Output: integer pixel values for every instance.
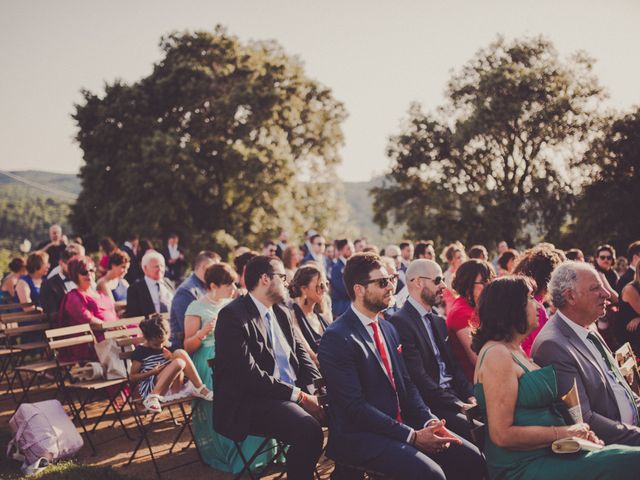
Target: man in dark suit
(263, 372)
(427, 353)
(132, 248)
(339, 298)
(316, 253)
(570, 343)
(377, 418)
(633, 254)
(174, 259)
(58, 285)
(151, 294)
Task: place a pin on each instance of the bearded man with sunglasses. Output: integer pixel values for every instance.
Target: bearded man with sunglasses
(430, 361)
(262, 371)
(377, 419)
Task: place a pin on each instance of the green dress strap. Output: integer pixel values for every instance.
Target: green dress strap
(520, 363)
(483, 355)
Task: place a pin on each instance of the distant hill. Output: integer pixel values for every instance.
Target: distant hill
(33, 199)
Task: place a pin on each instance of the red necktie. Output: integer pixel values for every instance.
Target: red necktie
(385, 361)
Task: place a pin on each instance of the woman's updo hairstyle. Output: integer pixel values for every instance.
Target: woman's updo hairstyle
(302, 278)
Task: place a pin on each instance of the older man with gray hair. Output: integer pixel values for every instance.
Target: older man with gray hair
(571, 343)
(150, 294)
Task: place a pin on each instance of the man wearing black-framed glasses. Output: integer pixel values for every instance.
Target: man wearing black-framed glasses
(377, 418)
(429, 358)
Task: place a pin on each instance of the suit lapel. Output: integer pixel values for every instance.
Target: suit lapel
(418, 324)
(148, 301)
(256, 319)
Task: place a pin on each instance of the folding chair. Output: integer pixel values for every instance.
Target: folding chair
(628, 365)
(146, 421)
(264, 447)
(24, 336)
(85, 391)
(476, 425)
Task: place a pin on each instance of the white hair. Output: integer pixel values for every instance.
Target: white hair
(151, 255)
(564, 278)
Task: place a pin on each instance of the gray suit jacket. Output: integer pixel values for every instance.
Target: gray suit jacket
(557, 344)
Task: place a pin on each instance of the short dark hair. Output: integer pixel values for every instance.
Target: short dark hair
(574, 254)
(256, 267)
(204, 256)
(107, 244)
(502, 308)
(79, 265)
(340, 244)
(155, 327)
(608, 247)
(220, 274)
(538, 263)
(634, 249)
(118, 257)
(36, 260)
(465, 277)
(314, 237)
(240, 262)
(505, 257)
(303, 277)
(478, 251)
(17, 264)
(71, 251)
(421, 248)
(268, 243)
(357, 270)
(404, 244)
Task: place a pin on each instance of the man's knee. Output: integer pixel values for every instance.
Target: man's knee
(309, 432)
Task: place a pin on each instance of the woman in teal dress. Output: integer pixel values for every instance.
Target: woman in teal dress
(518, 399)
(217, 451)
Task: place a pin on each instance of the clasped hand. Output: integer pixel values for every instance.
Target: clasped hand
(435, 438)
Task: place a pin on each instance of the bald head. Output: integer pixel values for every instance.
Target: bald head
(424, 281)
(423, 268)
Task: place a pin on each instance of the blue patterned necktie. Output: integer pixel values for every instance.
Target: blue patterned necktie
(284, 371)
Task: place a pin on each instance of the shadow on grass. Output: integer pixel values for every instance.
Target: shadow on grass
(64, 470)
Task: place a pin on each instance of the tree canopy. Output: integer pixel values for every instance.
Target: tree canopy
(223, 142)
(607, 209)
(504, 152)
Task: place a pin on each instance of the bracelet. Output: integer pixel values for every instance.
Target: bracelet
(555, 431)
(300, 398)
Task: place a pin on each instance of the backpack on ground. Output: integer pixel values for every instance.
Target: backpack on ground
(41, 434)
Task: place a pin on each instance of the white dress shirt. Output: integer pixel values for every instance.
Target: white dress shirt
(157, 293)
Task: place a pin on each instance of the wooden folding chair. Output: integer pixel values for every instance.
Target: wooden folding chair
(628, 365)
(146, 421)
(85, 391)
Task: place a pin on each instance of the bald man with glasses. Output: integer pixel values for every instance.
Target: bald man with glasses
(426, 350)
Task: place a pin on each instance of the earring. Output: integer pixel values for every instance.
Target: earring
(306, 302)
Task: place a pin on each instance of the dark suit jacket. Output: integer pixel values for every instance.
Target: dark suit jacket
(362, 401)
(339, 297)
(245, 363)
(135, 270)
(627, 277)
(421, 360)
(51, 294)
(558, 345)
(176, 270)
(139, 300)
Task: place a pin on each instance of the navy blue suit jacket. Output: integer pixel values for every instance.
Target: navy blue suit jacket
(339, 298)
(362, 401)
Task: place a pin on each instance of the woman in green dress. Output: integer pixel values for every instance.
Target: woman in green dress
(518, 398)
(217, 451)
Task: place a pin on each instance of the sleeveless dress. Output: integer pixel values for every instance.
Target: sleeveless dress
(626, 313)
(120, 292)
(537, 392)
(34, 290)
(217, 451)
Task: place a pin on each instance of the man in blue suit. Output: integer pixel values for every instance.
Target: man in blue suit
(339, 298)
(377, 418)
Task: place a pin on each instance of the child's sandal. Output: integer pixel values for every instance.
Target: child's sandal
(152, 403)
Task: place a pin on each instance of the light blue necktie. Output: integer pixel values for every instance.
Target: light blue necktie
(283, 368)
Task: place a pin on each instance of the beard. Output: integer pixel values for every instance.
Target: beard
(376, 303)
(429, 298)
(275, 293)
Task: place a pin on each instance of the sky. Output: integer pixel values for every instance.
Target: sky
(376, 56)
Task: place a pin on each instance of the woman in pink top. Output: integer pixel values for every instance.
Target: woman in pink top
(538, 263)
(84, 305)
(470, 280)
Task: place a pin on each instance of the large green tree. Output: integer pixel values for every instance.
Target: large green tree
(607, 209)
(223, 142)
(502, 157)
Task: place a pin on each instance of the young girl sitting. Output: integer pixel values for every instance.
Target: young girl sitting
(157, 371)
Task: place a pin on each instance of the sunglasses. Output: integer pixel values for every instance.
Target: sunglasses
(605, 257)
(436, 281)
(383, 282)
(283, 276)
(321, 287)
(87, 272)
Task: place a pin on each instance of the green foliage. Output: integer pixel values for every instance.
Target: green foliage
(607, 209)
(222, 138)
(504, 153)
(28, 213)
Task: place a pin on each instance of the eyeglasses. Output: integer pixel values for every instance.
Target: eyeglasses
(321, 287)
(605, 257)
(87, 272)
(383, 282)
(283, 276)
(436, 281)
(272, 250)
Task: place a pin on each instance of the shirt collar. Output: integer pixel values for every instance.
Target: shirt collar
(262, 308)
(343, 260)
(418, 306)
(366, 321)
(150, 282)
(581, 331)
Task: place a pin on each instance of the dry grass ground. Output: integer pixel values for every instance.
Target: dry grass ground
(114, 449)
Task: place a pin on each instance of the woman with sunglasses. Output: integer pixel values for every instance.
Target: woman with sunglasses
(82, 305)
(308, 291)
(604, 262)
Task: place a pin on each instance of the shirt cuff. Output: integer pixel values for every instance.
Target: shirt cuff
(411, 436)
(426, 424)
(294, 394)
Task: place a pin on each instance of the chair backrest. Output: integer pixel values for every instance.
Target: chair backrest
(14, 306)
(628, 365)
(69, 336)
(20, 323)
(121, 328)
(476, 425)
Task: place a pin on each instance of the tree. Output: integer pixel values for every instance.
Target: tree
(214, 144)
(607, 209)
(502, 154)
